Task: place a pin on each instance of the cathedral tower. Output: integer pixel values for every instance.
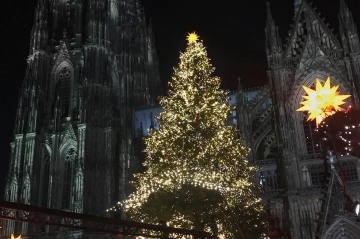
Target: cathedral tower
(91, 64)
(311, 52)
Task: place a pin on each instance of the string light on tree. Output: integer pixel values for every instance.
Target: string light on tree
(322, 102)
(197, 175)
(342, 131)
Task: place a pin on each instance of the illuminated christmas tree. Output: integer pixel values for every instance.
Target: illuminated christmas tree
(197, 176)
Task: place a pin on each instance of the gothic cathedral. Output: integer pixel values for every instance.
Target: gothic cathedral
(284, 144)
(91, 64)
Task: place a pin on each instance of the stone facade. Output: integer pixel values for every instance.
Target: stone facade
(283, 141)
(87, 98)
(91, 64)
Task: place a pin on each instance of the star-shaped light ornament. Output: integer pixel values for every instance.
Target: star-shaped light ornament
(322, 102)
(192, 37)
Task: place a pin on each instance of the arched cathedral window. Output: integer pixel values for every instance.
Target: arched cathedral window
(348, 168)
(312, 139)
(68, 179)
(267, 148)
(63, 79)
(347, 172)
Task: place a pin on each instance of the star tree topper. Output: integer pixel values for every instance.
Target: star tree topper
(322, 102)
(192, 37)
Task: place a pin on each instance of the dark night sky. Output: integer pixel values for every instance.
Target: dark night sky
(232, 31)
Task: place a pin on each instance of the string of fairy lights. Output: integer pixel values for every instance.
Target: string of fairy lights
(194, 147)
(341, 132)
(172, 180)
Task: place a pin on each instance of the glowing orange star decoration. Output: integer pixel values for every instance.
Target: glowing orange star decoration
(192, 37)
(12, 237)
(322, 102)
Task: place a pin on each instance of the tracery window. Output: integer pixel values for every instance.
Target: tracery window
(312, 139)
(267, 148)
(348, 168)
(317, 174)
(63, 77)
(68, 179)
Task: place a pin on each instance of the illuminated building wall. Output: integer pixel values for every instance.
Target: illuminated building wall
(311, 52)
(91, 64)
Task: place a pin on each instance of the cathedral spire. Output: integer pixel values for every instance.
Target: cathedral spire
(240, 85)
(273, 41)
(39, 32)
(297, 4)
(351, 46)
(348, 29)
(269, 18)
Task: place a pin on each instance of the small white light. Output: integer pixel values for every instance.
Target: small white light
(357, 209)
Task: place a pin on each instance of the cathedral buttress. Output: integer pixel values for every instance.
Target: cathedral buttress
(311, 52)
(351, 45)
(279, 85)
